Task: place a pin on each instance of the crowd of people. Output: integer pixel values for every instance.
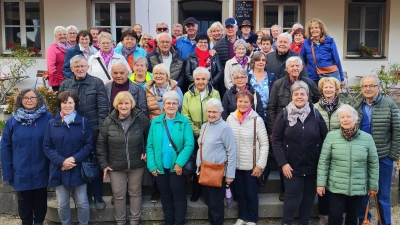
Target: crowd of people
(244, 101)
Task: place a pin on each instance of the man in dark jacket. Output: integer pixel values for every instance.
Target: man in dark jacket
(276, 60)
(224, 47)
(120, 82)
(93, 105)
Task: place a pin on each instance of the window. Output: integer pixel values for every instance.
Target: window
(20, 23)
(364, 25)
(284, 15)
(113, 15)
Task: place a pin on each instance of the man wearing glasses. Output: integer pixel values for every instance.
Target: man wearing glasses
(160, 28)
(379, 116)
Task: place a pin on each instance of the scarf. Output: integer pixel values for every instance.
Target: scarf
(127, 52)
(27, 117)
(243, 116)
(295, 113)
(63, 46)
(322, 39)
(329, 105)
(69, 45)
(349, 134)
(160, 91)
(96, 45)
(107, 58)
(204, 58)
(296, 46)
(68, 118)
(242, 62)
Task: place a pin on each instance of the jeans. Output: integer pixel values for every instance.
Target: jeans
(333, 74)
(385, 184)
(340, 204)
(81, 200)
(32, 205)
(299, 195)
(119, 181)
(214, 199)
(173, 197)
(246, 192)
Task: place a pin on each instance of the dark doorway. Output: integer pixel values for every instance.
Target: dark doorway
(205, 12)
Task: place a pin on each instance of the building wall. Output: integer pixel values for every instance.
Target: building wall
(150, 12)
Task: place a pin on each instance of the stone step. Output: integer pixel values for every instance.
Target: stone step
(269, 207)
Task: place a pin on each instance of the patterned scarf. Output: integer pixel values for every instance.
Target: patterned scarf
(27, 117)
(349, 134)
(160, 91)
(243, 116)
(127, 52)
(68, 118)
(63, 46)
(107, 58)
(322, 39)
(204, 58)
(242, 62)
(294, 113)
(329, 105)
(96, 45)
(69, 45)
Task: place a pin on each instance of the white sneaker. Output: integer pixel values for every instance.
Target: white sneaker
(240, 222)
(250, 223)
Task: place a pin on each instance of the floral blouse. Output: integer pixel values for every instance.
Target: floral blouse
(262, 88)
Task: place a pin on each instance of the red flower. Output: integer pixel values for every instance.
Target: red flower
(37, 50)
(10, 44)
(374, 54)
(362, 49)
(15, 48)
(375, 50)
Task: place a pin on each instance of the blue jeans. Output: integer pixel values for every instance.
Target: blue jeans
(246, 192)
(385, 182)
(81, 200)
(333, 74)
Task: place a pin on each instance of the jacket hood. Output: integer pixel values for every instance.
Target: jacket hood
(193, 90)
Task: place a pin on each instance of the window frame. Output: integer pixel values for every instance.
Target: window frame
(281, 11)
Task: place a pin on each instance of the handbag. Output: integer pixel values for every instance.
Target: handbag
(190, 166)
(90, 169)
(366, 221)
(211, 174)
(325, 70)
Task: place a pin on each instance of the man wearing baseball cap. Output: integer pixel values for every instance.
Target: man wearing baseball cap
(187, 45)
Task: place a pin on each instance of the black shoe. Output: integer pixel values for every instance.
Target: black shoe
(195, 197)
(155, 197)
(282, 196)
(100, 204)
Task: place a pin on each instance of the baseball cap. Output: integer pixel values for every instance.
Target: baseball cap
(230, 22)
(190, 20)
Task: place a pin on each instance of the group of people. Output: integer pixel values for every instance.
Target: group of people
(148, 106)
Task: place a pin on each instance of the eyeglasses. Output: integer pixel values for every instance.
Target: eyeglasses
(80, 67)
(105, 43)
(29, 99)
(369, 86)
(165, 42)
(171, 103)
(158, 74)
(240, 78)
(146, 39)
(73, 33)
(162, 29)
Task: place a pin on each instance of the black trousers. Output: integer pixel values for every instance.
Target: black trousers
(32, 205)
(271, 165)
(340, 204)
(323, 205)
(214, 199)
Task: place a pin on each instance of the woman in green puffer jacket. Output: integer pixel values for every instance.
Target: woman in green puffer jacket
(348, 168)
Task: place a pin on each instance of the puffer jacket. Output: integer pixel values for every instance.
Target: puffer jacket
(348, 167)
(230, 66)
(177, 68)
(194, 108)
(122, 150)
(96, 70)
(222, 48)
(93, 101)
(280, 96)
(182, 136)
(332, 121)
(276, 64)
(385, 126)
(61, 142)
(152, 101)
(244, 138)
(55, 56)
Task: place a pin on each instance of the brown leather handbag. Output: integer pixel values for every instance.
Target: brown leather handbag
(211, 174)
(324, 70)
(366, 221)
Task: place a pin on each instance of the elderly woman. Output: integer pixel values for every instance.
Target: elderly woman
(169, 146)
(193, 108)
(129, 48)
(84, 48)
(249, 131)
(240, 60)
(144, 41)
(298, 38)
(217, 32)
(348, 153)
(156, 88)
(24, 165)
(72, 33)
(140, 75)
(240, 81)
(66, 156)
(201, 58)
(320, 53)
(297, 137)
(100, 64)
(55, 56)
(121, 153)
(218, 146)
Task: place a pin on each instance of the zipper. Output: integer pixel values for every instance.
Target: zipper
(127, 150)
(304, 154)
(350, 167)
(329, 117)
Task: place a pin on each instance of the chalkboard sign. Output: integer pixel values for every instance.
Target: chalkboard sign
(245, 10)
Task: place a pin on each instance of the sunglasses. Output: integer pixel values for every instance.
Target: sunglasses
(162, 29)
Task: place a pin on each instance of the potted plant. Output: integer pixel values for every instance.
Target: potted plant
(389, 77)
(366, 51)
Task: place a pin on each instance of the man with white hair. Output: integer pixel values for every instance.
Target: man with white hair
(161, 27)
(276, 30)
(295, 27)
(276, 60)
(177, 30)
(138, 30)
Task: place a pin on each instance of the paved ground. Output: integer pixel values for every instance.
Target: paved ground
(12, 220)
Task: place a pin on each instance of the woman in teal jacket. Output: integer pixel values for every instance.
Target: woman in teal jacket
(167, 152)
(348, 168)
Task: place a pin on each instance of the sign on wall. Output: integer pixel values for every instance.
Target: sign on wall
(245, 10)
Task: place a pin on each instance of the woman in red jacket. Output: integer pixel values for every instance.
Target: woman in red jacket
(55, 57)
(298, 40)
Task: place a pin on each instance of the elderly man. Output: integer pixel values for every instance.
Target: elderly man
(93, 106)
(379, 116)
(120, 83)
(160, 28)
(224, 47)
(177, 30)
(266, 31)
(276, 60)
(138, 30)
(94, 31)
(295, 27)
(187, 45)
(276, 30)
(167, 54)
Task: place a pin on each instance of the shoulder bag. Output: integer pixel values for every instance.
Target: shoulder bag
(105, 71)
(90, 169)
(211, 174)
(366, 221)
(261, 179)
(325, 70)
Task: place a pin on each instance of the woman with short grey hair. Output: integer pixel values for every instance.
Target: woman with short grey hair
(72, 31)
(140, 75)
(55, 56)
(240, 60)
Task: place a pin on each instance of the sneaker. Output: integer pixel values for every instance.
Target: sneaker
(323, 220)
(100, 204)
(155, 197)
(91, 203)
(250, 223)
(240, 222)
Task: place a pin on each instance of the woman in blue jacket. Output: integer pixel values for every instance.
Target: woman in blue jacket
(24, 164)
(67, 142)
(320, 53)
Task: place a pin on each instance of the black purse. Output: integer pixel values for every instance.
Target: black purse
(190, 167)
(90, 169)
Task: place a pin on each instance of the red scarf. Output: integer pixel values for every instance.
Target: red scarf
(204, 58)
(296, 47)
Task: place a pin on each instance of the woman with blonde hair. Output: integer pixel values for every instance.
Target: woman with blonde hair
(144, 41)
(217, 32)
